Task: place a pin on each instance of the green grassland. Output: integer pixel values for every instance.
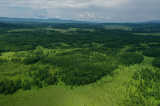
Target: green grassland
(80, 65)
(108, 90)
(118, 27)
(53, 29)
(145, 34)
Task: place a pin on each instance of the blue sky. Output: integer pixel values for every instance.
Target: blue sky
(85, 10)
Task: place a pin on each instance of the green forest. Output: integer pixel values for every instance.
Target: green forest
(106, 64)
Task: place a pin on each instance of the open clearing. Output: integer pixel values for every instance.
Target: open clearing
(145, 34)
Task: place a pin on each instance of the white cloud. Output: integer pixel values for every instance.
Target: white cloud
(87, 15)
(40, 12)
(57, 16)
(114, 10)
(108, 18)
(91, 15)
(81, 16)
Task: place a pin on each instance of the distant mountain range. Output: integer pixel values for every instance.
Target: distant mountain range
(54, 20)
(32, 20)
(153, 21)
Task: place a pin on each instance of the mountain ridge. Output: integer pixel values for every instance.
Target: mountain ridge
(57, 20)
(30, 20)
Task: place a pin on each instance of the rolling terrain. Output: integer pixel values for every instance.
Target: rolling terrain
(79, 64)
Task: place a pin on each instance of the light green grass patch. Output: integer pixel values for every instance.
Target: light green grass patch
(146, 34)
(21, 30)
(118, 27)
(68, 30)
(7, 55)
(53, 29)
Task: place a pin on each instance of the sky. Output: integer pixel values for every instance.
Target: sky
(83, 10)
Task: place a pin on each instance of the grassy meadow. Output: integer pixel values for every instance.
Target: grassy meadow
(108, 90)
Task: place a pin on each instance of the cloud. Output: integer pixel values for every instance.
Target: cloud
(90, 15)
(40, 12)
(108, 18)
(87, 15)
(81, 16)
(57, 16)
(100, 10)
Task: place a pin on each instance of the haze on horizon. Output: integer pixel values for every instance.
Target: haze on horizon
(83, 10)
